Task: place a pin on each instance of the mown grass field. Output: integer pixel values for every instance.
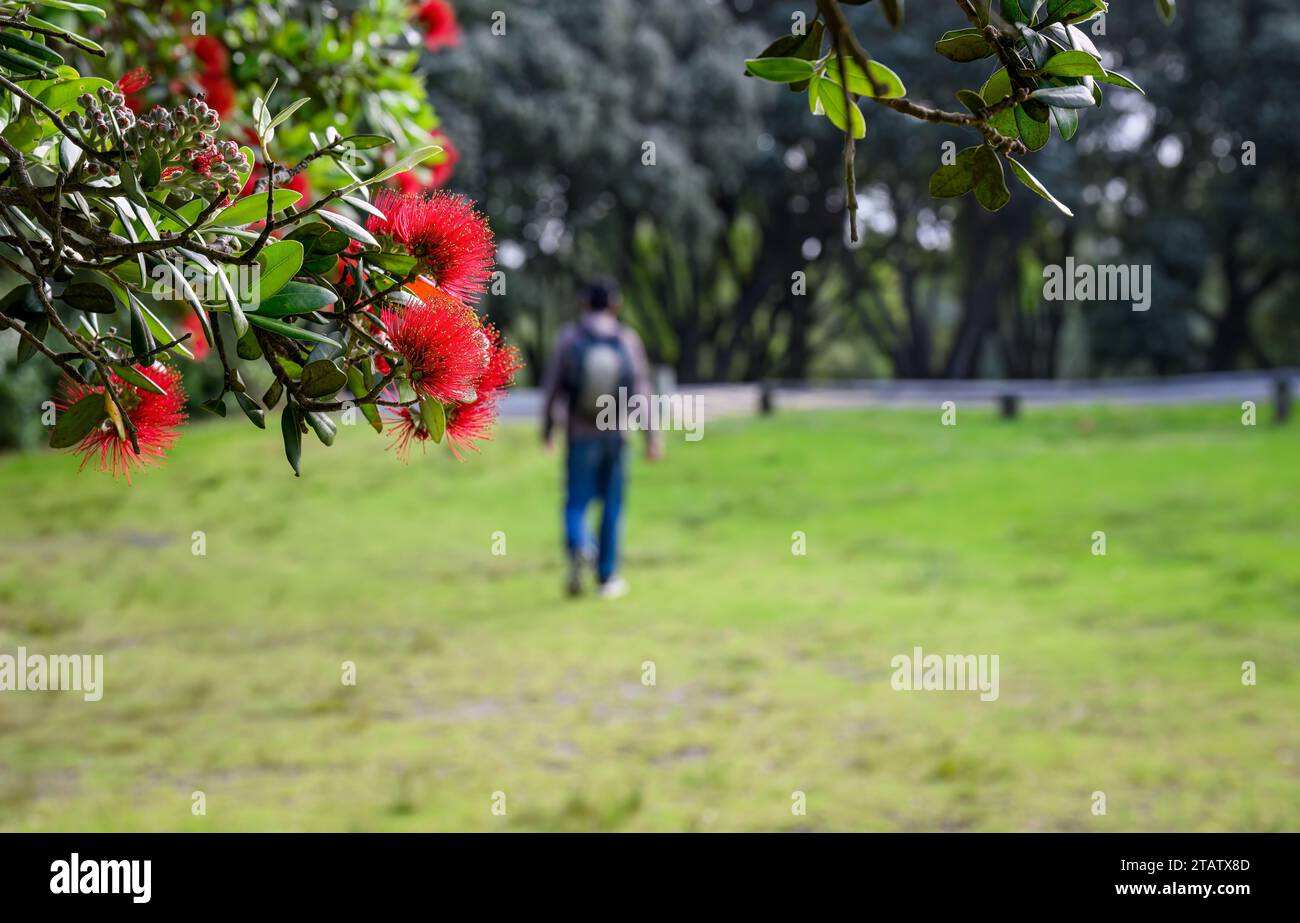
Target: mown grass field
(1119, 674)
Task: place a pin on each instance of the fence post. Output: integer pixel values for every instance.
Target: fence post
(766, 397)
(1010, 405)
(1282, 399)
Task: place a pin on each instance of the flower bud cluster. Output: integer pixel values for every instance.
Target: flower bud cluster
(192, 160)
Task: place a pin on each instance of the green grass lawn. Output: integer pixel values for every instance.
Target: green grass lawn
(1119, 674)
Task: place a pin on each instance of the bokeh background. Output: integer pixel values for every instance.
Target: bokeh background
(1119, 673)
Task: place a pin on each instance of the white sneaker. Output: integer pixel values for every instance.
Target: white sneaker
(613, 588)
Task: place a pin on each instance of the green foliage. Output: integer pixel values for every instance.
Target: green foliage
(1048, 67)
(116, 219)
(352, 68)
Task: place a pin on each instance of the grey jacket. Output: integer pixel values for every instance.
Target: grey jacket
(555, 394)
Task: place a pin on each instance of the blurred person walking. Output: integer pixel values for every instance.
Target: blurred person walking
(596, 359)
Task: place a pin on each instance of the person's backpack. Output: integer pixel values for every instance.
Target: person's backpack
(596, 365)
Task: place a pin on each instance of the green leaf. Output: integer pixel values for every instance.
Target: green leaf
(419, 155)
(131, 185)
(252, 409)
(249, 158)
(322, 378)
(159, 330)
(1168, 9)
(971, 100)
(62, 94)
(1120, 80)
(990, 181)
(997, 87)
(186, 212)
(330, 242)
(150, 168)
(957, 178)
(215, 406)
(290, 330)
(1079, 40)
(434, 417)
(77, 421)
(131, 375)
(1033, 133)
(94, 46)
(247, 347)
(142, 340)
(831, 96)
(1032, 182)
(1073, 10)
(252, 208)
(1067, 122)
(349, 227)
(286, 112)
(292, 436)
(1011, 11)
(277, 264)
(366, 142)
(22, 64)
(399, 264)
(964, 45)
(363, 205)
(1073, 64)
(295, 298)
(891, 85)
(357, 384)
(272, 395)
(1071, 97)
(92, 291)
(37, 328)
(323, 425)
(1040, 49)
(780, 70)
(74, 7)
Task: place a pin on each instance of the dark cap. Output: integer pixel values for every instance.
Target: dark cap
(599, 294)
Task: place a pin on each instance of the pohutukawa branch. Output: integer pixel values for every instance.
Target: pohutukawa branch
(1048, 70)
(118, 220)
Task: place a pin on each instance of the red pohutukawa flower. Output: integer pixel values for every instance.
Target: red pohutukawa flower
(134, 81)
(406, 428)
(467, 423)
(439, 21)
(154, 416)
(218, 88)
(447, 160)
(451, 239)
(441, 342)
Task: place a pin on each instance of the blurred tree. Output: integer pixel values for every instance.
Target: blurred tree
(1200, 180)
(746, 192)
(623, 137)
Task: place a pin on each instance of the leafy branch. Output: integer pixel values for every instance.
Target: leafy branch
(1047, 71)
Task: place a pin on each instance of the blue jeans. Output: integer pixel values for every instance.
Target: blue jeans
(595, 469)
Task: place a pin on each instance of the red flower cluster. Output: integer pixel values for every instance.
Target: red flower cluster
(154, 416)
(473, 421)
(439, 22)
(407, 428)
(218, 89)
(441, 341)
(453, 359)
(451, 239)
(132, 83)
